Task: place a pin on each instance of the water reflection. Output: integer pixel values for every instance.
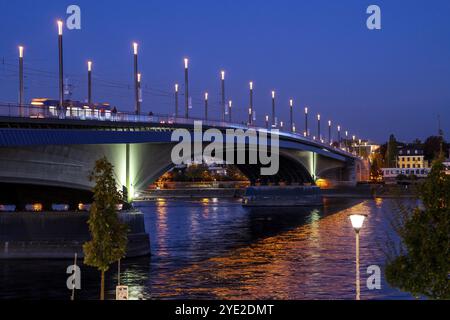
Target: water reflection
(216, 249)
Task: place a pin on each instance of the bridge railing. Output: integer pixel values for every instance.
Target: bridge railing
(87, 113)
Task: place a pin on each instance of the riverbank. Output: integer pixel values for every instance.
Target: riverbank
(192, 193)
(366, 191)
(59, 235)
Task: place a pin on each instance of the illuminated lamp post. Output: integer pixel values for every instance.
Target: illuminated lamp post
(357, 221)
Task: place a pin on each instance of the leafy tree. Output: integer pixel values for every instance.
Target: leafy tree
(376, 164)
(422, 264)
(108, 234)
(432, 147)
(391, 152)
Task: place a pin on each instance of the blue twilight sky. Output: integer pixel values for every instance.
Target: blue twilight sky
(320, 52)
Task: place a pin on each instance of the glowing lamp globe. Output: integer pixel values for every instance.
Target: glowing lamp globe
(357, 221)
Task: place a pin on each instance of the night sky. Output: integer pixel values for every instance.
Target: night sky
(373, 83)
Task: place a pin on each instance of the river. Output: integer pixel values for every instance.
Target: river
(215, 249)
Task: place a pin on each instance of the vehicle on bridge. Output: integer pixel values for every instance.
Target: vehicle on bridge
(45, 108)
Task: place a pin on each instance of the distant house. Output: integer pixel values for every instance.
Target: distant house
(410, 162)
(411, 158)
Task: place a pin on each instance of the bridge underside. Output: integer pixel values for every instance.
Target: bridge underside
(69, 166)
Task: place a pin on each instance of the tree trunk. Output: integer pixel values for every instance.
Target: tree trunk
(102, 287)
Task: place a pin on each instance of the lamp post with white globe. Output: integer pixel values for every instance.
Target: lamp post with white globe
(357, 221)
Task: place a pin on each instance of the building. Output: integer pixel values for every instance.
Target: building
(392, 173)
(410, 162)
(446, 164)
(411, 158)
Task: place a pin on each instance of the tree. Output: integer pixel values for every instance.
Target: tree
(108, 234)
(376, 164)
(391, 152)
(423, 262)
(432, 147)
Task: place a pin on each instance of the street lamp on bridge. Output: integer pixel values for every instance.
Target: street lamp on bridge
(61, 64)
(357, 221)
(137, 107)
(177, 87)
(222, 85)
(306, 122)
(21, 91)
(250, 113)
(186, 87)
(89, 65)
(329, 133)
(291, 107)
(319, 136)
(274, 121)
(206, 106)
(339, 136)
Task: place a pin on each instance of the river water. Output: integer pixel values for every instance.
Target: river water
(215, 249)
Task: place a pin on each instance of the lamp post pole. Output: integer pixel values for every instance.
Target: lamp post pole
(291, 107)
(267, 122)
(306, 122)
(329, 132)
(274, 121)
(339, 136)
(139, 91)
(346, 140)
(137, 108)
(222, 85)
(186, 88)
(206, 106)
(230, 105)
(250, 113)
(176, 99)
(357, 221)
(89, 83)
(21, 81)
(318, 128)
(358, 281)
(61, 64)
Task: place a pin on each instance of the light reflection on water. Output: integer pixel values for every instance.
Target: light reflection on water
(216, 249)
